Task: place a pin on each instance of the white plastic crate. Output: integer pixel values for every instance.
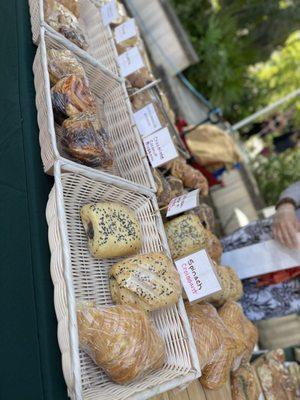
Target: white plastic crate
(79, 276)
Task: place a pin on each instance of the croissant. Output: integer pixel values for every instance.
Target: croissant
(71, 96)
(149, 281)
(121, 340)
(84, 140)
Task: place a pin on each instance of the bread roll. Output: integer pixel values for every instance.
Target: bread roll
(85, 140)
(213, 342)
(121, 340)
(147, 280)
(213, 246)
(70, 96)
(243, 384)
(206, 215)
(112, 229)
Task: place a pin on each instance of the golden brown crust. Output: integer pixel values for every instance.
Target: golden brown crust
(243, 384)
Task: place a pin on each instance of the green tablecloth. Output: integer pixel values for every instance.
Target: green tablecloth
(30, 366)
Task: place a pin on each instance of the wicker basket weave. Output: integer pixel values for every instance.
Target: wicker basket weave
(78, 276)
(99, 38)
(113, 111)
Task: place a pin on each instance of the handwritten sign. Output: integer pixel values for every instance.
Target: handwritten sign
(130, 61)
(160, 147)
(109, 12)
(198, 276)
(183, 203)
(147, 120)
(125, 31)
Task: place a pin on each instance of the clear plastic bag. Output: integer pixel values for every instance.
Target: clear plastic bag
(163, 189)
(70, 96)
(71, 5)
(206, 215)
(64, 21)
(149, 281)
(214, 344)
(121, 340)
(244, 385)
(85, 140)
(62, 63)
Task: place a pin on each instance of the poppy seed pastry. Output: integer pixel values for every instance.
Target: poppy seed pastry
(149, 281)
(112, 229)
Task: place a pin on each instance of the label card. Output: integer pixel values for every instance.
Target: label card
(109, 12)
(147, 120)
(125, 31)
(130, 61)
(198, 276)
(183, 203)
(160, 147)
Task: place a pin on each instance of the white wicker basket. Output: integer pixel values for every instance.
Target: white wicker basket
(78, 276)
(113, 110)
(99, 38)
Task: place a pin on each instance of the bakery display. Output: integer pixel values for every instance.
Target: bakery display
(62, 63)
(86, 141)
(214, 344)
(149, 281)
(121, 340)
(61, 19)
(112, 229)
(243, 384)
(187, 235)
(232, 288)
(71, 96)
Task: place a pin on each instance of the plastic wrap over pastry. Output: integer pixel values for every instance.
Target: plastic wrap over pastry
(149, 281)
(243, 384)
(163, 188)
(213, 342)
(70, 96)
(113, 229)
(71, 5)
(61, 19)
(144, 98)
(213, 246)
(244, 331)
(176, 186)
(121, 340)
(190, 177)
(85, 140)
(232, 287)
(206, 215)
(62, 63)
(122, 14)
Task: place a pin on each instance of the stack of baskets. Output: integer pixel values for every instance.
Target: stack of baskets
(75, 273)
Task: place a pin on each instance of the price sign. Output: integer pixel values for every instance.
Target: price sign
(198, 276)
(160, 147)
(183, 203)
(147, 120)
(109, 12)
(125, 31)
(130, 61)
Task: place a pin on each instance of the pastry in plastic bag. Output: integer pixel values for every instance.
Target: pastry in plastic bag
(149, 281)
(121, 340)
(232, 288)
(71, 5)
(206, 215)
(65, 22)
(62, 63)
(245, 332)
(113, 229)
(163, 188)
(213, 246)
(243, 384)
(191, 178)
(70, 96)
(85, 140)
(144, 98)
(176, 186)
(213, 342)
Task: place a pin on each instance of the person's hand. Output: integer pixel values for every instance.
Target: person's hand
(285, 225)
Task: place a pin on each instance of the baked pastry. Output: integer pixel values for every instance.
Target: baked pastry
(187, 235)
(61, 19)
(213, 342)
(191, 177)
(71, 96)
(121, 340)
(85, 140)
(206, 215)
(163, 193)
(71, 5)
(149, 281)
(176, 186)
(243, 384)
(244, 332)
(232, 288)
(63, 63)
(113, 230)
(142, 99)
